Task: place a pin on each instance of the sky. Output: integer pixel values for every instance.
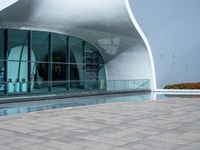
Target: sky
(172, 29)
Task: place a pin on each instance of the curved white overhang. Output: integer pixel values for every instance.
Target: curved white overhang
(109, 25)
(146, 43)
(6, 3)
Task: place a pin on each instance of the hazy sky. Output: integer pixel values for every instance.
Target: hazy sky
(172, 28)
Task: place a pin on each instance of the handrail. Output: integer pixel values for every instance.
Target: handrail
(112, 85)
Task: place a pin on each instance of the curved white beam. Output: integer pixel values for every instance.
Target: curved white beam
(109, 25)
(154, 87)
(6, 3)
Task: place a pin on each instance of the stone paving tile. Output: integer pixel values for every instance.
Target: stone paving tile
(188, 148)
(158, 148)
(121, 148)
(130, 139)
(152, 125)
(62, 146)
(160, 144)
(18, 144)
(4, 147)
(36, 147)
(136, 146)
(191, 136)
(167, 139)
(101, 146)
(114, 142)
(87, 148)
(195, 144)
(5, 140)
(84, 142)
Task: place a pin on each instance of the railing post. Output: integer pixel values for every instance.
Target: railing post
(134, 84)
(114, 85)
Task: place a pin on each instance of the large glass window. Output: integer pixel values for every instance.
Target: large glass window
(59, 48)
(94, 70)
(40, 80)
(40, 56)
(59, 65)
(77, 76)
(59, 73)
(40, 45)
(77, 67)
(76, 50)
(41, 62)
(17, 70)
(17, 45)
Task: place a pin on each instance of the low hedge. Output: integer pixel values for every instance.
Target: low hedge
(183, 86)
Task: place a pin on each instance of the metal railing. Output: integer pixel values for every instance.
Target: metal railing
(38, 87)
(142, 84)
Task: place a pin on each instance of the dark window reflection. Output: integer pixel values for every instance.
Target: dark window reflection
(59, 48)
(76, 50)
(40, 46)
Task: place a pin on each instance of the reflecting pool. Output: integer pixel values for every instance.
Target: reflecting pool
(26, 107)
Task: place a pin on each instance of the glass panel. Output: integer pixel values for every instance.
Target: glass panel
(59, 77)
(93, 54)
(77, 76)
(95, 71)
(111, 84)
(59, 48)
(139, 84)
(17, 76)
(1, 44)
(76, 51)
(17, 45)
(17, 61)
(1, 76)
(40, 46)
(129, 84)
(40, 77)
(102, 77)
(58, 72)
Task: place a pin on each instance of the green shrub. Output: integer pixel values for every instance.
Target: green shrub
(183, 86)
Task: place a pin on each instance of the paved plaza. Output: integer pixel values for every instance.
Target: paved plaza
(150, 125)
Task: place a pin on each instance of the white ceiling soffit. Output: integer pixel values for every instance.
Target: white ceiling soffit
(107, 25)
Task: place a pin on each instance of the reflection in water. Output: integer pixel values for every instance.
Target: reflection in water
(25, 107)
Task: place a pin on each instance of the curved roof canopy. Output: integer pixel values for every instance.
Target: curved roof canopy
(107, 24)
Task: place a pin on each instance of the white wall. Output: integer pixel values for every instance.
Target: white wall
(172, 29)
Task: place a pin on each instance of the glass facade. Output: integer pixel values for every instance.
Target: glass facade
(43, 62)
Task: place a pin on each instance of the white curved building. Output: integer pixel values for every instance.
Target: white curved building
(66, 45)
